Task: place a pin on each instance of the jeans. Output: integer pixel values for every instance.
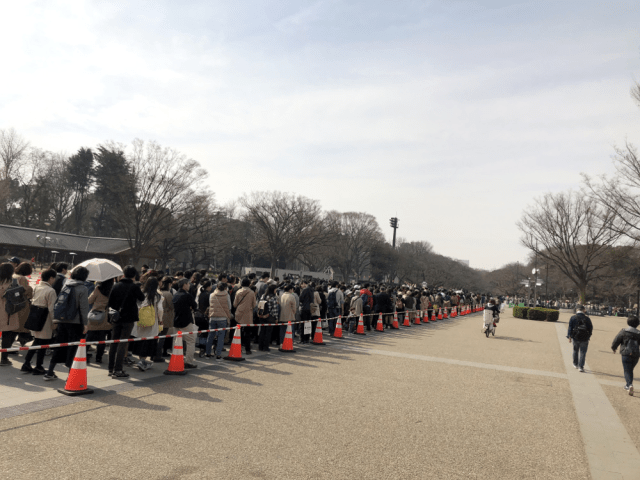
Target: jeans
(333, 320)
(120, 331)
(628, 364)
(580, 347)
(216, 322)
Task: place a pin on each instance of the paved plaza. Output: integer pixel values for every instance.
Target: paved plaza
(433, 401)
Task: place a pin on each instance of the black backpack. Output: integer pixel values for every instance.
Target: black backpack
(66, 307)
(580, 332)
(331, 301)
(14, 298)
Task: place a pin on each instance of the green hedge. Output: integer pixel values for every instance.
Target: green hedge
(520, 312)
(546, 314)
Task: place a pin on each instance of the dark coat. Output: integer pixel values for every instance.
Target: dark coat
(573, 323)
(183, 304)
(306, 299)
(125, 296)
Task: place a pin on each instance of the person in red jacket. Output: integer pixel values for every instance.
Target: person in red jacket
(367, 304)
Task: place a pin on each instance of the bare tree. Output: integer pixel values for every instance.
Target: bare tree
(33, 183)
(285, 225)
(574, 233)
(60, 191)
(13, 150)
(353, 235)
(163, 181)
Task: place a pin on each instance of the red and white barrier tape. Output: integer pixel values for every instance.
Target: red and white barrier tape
(157, 337)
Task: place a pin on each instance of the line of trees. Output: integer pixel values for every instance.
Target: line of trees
(591, 235)
(157, 198)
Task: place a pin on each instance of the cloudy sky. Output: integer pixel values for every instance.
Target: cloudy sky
(451, 115)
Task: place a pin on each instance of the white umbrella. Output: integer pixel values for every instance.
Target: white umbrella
(101, 269)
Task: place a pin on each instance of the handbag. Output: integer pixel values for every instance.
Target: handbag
(37, 318)
(95, 317)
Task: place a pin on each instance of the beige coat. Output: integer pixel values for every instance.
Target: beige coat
(45, 296)
(7, 324)
(99, 303)
(287, 308)
(167, 309)
(315, 306)
(245, 303)
(24, 313)
(220, 304)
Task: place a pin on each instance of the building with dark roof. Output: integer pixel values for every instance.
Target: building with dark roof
(28, 243)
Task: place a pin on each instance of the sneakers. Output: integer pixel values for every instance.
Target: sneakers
(631, 390)
(129, 361)
(582, 369)
(120, 374)
(39, 371)
(26, 368)
(190, 365)
(142, 365)
(6, 363)
(218, 357)
(575, 366)
(50, 376)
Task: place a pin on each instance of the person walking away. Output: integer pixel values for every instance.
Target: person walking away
(628, 339)
(70, 314)
(219, 315)
(149, 322)
(269, 313)
(44, 296)
(98, 331)
(167, 319)
(400, 308)
(245, 303)
(579, 332)
(490, 315)
(183, 306)
(315, 310)
(123, 303)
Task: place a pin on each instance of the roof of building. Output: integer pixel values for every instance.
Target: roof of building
(33, 237)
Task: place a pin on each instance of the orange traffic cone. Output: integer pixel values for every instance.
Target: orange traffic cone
(454, 312)
(407, 322)
(337, 333)
(416, 321)
(235, 352)
(317, 338)
(433, 316)
(360, 329)
(439, 314)
(176, 363)
(394, 324)
(425, 319)
(287, 344)
(444, 314)
(77, 379)
(379, 325)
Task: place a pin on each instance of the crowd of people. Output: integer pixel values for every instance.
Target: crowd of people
(66, 307)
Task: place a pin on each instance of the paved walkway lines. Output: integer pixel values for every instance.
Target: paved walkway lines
(609, 448)
(461, 363)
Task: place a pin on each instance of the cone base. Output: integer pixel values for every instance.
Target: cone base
(169, 372)
(394, 328)
(75, 393)
(334, 336)
(356, 333)
(318, 343)
(234, 359)
(286, 351)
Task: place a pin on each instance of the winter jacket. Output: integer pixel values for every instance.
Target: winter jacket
(45, 296)
(167, 309)
(245, 303)
(287, 308)
(573, 323)
(124, 297)
(28, 294)
(99, 303)
(625, 338)
(306, 299)
(82, 301)
(183, 304)
(220, 304)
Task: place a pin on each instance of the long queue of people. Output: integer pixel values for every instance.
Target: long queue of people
(149, 303)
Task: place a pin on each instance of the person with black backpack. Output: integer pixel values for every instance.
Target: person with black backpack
(70, 314)
(580, 330)
(9, 320)
(629, 340)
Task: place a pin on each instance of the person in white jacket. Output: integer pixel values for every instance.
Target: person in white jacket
(490, 317)
(150, 309)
